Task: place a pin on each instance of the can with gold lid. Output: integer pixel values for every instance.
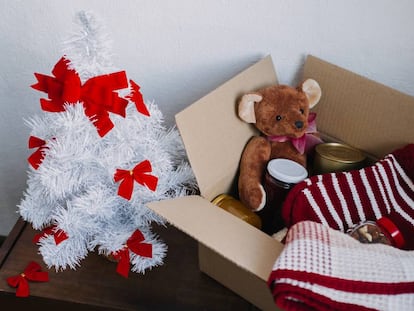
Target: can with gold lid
(238, 209)
(337, 157)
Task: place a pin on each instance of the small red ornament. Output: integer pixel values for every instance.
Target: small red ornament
(58, 234)
(37, 157)
(134, 244)
(140, 174)
(136, 97)
(31, 273)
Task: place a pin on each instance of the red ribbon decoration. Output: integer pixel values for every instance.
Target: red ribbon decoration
(59, 235)
(136, 245)
(136, 97)
(97, 94)
(60, 89)
(304, 143)
(31, 273)
(37, 157)
(140, 174)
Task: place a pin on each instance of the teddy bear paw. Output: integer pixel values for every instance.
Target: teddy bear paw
(255, 198)
(263, 201)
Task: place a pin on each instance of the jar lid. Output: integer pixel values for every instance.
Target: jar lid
(287, 170)
(392, 230)
(339, 153)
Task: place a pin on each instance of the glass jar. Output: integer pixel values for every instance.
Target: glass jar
(238, 209)
(281, 175)
(382, 231)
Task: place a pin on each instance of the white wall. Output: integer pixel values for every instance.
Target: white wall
(180, 50)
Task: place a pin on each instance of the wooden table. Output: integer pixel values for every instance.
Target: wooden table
(95, 285)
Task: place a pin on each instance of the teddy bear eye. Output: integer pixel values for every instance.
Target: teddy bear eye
(302, 111)
(278, 117)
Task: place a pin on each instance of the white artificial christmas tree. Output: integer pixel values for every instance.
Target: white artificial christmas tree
(102, 154)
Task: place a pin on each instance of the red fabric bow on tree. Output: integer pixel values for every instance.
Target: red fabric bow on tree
(134, 244)
(31, 273)
(59, 235)
(37, 157)
(140, 174)
(97, 94)
(136, 97)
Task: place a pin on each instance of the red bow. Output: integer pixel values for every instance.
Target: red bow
(31, 273)
(37, 157)
(59, 235)
(136, 245)
(140, 174)
(136, 97)
(97, 94)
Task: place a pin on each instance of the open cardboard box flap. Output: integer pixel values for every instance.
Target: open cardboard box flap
(361, 112)
(232, 238)
(214, 136)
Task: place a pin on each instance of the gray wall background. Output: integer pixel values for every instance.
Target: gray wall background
(180, 50)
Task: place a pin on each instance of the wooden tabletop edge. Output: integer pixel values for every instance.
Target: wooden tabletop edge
(11, 239)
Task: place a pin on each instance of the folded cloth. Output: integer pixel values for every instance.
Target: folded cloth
(342, 200)
(322, 268)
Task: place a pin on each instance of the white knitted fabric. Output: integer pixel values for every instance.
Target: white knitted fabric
(325, 269)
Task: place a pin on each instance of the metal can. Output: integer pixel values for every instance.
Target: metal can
(238, 209)
(337, 157)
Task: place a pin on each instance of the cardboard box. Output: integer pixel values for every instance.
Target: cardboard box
(353, 109)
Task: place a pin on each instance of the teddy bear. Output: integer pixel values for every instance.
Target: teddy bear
(282, 115)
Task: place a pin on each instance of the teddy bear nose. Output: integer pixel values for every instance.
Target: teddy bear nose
(299, 124)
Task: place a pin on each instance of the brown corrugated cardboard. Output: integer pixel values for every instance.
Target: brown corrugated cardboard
(365, 114)
(353, 109)
(214, 136)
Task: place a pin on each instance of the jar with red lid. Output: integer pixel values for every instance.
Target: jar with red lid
(382, 230)
(280, 176)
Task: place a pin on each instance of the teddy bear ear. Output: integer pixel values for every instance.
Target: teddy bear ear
(246, 107)
(313, 91)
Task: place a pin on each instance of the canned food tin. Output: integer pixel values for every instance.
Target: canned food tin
(238, 209)
(337, 157)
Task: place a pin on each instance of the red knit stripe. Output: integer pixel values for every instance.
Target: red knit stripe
(342, 193)
(339, 199)
(352, 286)
(400, 204)
(329, 210)
(404, 195)
(356, 186)
(407, 181)
(346, 191)
(384, 202)
(290, 297)
(374, 193)
(333, 202)
(385, 177)
(363, 187)
(317, 203)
